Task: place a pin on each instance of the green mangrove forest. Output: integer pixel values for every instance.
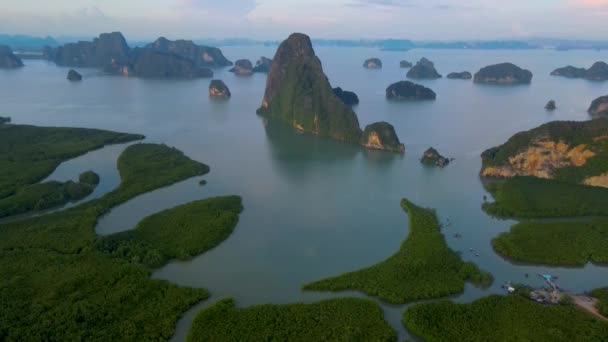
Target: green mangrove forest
(345, 319)
(423, 268)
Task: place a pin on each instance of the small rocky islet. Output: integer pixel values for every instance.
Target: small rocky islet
(373, 63)
(262, 65)
(464, 75)
(424, 69)
(433, 158)
(569, 72)
(597, 72)
(599, 106)
(319, 112)
(406, 90)
(8, 60)
(348, 97)
(242, 67)
(74, 76)
(381, 136)
(503, 73)
(219, 89)
(405, 64)
(551, 105)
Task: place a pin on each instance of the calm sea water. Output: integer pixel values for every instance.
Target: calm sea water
(313, 207)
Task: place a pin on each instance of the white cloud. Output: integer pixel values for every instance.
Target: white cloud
(275, 19)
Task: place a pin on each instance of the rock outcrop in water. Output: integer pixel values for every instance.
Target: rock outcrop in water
(217, 88)
(406, 90)
(465, 75)
(405, 64)
(599, 106)
(597, 72)
(242, 67)
(504, 73)
(348, 97)
(551, 105)
(432, 157)
(542, 151)
(109, 52)
(299, 94)
(74, 76)
(381, 136)
(569, 72)
(161, 59)
(373, 63)
(8, 60)
(262, 65)
(424, 69)
(202, 56)
(148, 63)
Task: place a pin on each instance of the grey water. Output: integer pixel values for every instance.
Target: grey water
(314, 207)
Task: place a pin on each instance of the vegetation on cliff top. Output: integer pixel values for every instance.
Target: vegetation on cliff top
(589, 137)
(423, 268)
(345, 319)
(503, 73)
(571, 133)
(502, 318)
(57, 286)
(563, 243)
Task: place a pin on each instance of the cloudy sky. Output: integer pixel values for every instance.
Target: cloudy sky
(275, 19)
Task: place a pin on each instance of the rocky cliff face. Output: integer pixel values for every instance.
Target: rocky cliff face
(465, 75)
(381, 136)
(540, 160)
(109, 51)
(8, 60)
(202, 56)
(161, 59)
(299, 94)
(424, 69)
(373, 63)
(217, 88)
(599, 106)
(242, 67)
(406, 90)
(74, 76)
(148, 63)
(569, 72)
(504, 73)
(348, 97)
(432, 157)
(405, 64)
(597, 72)
(263, 65)
(543, 151)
